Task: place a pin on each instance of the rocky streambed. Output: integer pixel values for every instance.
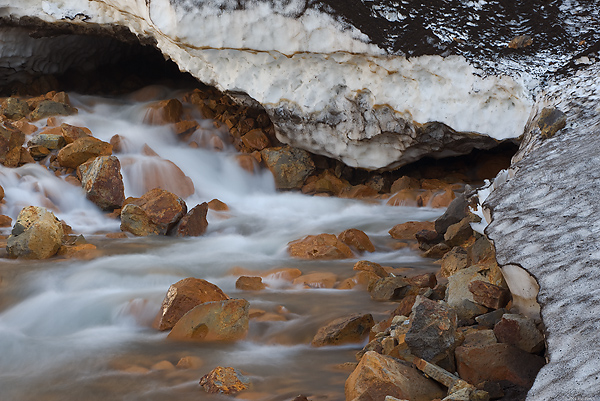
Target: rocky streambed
(165, 244)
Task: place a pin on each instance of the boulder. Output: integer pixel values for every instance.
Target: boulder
(325, 183)
(157, 172)
(453, 261)
(357, 240)
(432, 335)
(321, 247)
(11, 140)
(390, 289)
(256, 140)
(247, 283)
(349, 329)
(489, 295)
(72, 133)
(405, 182)
(49, 108)
(164, 112)
(81, 150)
(361, 279)
(48, 141)
(163, 210)
(102, 182)
(290, 166)
(182, 297)
(14, 108)
(378, 376)
(407, 231)
(135, 220)
(456, 211)
(481, 250)
(365, 265)
(194, 223)
(442, 199)
(37, 234)
(457, 234)
(214, 321)
(497, 362)
(519, 331)
(224, 380)
(360, 191)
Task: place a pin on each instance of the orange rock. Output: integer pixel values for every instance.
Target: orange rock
(405, 197)
(163, 174)
(81, 251)
(72, 133)
(326, 182)
(247, 283)
(217, 205)
(163, 365)
(118, 143)
(283, 273)
(164, 112)
(5, 221)
(407, 231)
(214, 321)
(190, 362)
(102, 182)
(424, 197)
(322, 246)
(24, 126)
(365, 265)
(224, 381)
(316, 280)
(256, 139)
(348, 329)
(358, 192)
(163, 209)
(362, 279)
(25, 157)
(216, 143)
(185, 129)
(11, 140)
(81, 150)
(116, 235)
(442, 199)
(433, 183)
(194, 223)
(357, 240)
(247, 162)
(183, 296)
(405, 182)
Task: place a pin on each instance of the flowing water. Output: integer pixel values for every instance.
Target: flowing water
(73, 329)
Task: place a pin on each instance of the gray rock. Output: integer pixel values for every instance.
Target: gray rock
(456, 211)
(455, 260)
(15, 108)
(460, 298)
(48, 141)
(290, 166)
(389, 289)
(49, 108)
(550, 121)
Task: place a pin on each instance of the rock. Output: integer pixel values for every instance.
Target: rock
(37, 234)
(217, 205)
(81, 150)
(358, 192)
(135, 220)
(432, 335)
(321, 247)
(164, 112)
(162, 208)
(24, 126)
(442, 199)
(457, 210)
(405, 306)
(489, 320)
(390, 289)
(378, 376)
(489, 295)
(426, 280)
(521, 41)
(214, 321)
(194, 223)
(349, 329)
(14, 108)
(224, 380)
(481, 250)
(247, 283)
(357, 240)
(405, 197)
(460, 298)
(256, 140)
(453, 261)
(49, 141)
(479, 338)
(519, 331)
(72, 133)
(325, 183)
(405, 182)
(362, 279)
(428, 237)
(11, 141)
(316, 280)
(182, 297)
(102, 182)
(189, 362)
(550, 121)
(5, 221)
(290, 166)
(407, 231)
(49, 108)
(164, 174)
(457, 234)
(497, 362)
(437, 251)
(163, 365)
(185, 129)
(376, 268)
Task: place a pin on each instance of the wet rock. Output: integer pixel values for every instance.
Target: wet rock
(5, 221)
(185, 129)
(72, 133)
(11, 141)
(348, 329)
(189, 362)
(432, 335)
(135, 220)
(79, 251)
(49, 141)
(362, 279)
(256, 140)
(408, 230)
(224, 380)
(453, 261)
(357, 240)
(247, 283)
(322, 247)
(390, 289)
(521, 41)
(81, 150)
(365, 265)
(457, 234)
(14, 108)
(217, 205)
(442, 199)
(550, 121)
(489, 295)
(290, 166)
(316, 280)
(37, 234)
(405, 197)
(378, 376)
(163, 209)
(405, 182)
(193, 224)
(358, 192)
(182, 297)
(428, 237)
(214, 321)
(102, 182)
(497, 362)
(49, 108)
(457, 210)
(164, 112)
(519, 331)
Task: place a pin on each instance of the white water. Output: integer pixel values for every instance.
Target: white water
(68, 328)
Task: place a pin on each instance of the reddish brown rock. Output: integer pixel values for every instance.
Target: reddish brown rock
(72, 133)
(426, 280)
(405, 197)
(214, 321)
(182, 297)
(224, 381)
(348, 329)
(247, 283)
(24, 126)
(102, 182)
(488, 294)
(81, 150)
(453, 261)
(358, 192)
(185, 129)
(519, 331)
(247, 162)
(325, 183)
(405, 182)
(357, 240)
(256, 140)
(164, 112)
(217, 205)
(376, 268)
(405, 306)
(497, 362)
(316, 280)
(361, 279)
(290, 166)
(194, 223)
(407, 231)
(163, 209)
(390, 289)
(322, 246)
(11, 141)
(457, 234)
(378, 376)
(5, 221)
(161, 173)
(442, 199)
(135, 220)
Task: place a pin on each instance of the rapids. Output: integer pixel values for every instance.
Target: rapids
(73, 329)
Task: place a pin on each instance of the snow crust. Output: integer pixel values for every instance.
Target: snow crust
(350, 100)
